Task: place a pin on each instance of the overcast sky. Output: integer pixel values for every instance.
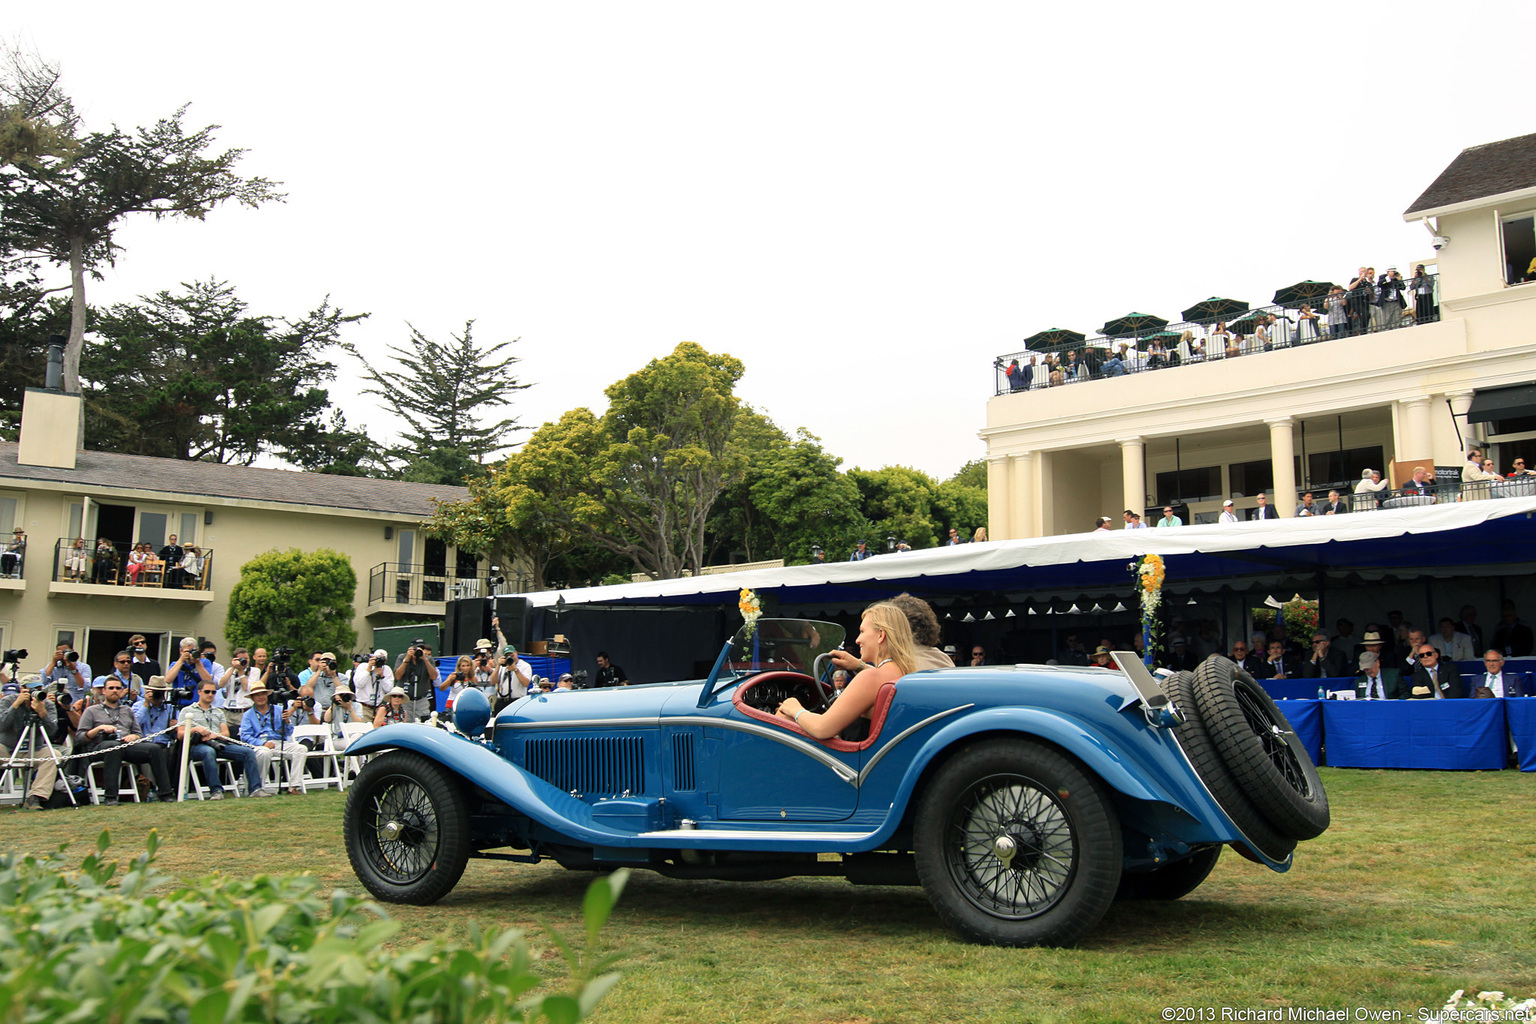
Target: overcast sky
(864, 202)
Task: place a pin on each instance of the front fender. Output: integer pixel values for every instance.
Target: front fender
(526, 794)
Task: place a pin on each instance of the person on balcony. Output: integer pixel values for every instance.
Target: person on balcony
(1370, 489)
(136, 559)
(1306, 325)
(1423, 296)
(1336, 505)
(76, 561)
(1421, 486)
(104, 567)
(10, 558)
(1359, 299)
(1336, 305)
(191, 567)
(171, 555)
(1392, 304)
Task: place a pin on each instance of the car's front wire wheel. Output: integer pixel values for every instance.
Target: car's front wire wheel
(1017, 846)
(407, 828)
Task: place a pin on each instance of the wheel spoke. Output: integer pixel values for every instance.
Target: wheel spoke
(1038, 871)
(400, 834)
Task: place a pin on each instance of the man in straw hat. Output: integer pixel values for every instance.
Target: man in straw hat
(269, 730)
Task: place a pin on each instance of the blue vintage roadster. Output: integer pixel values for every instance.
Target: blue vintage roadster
(1024, 799)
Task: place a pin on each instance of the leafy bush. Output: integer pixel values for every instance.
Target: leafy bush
(75, 946)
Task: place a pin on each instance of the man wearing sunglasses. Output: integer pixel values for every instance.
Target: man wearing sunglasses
(1434, 679)
(109, 727)
(206, 728)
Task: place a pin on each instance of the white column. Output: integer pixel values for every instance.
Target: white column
(1022, 495)
(999, 499)
(1133, 473)
(1413, 420)
(1282, 455)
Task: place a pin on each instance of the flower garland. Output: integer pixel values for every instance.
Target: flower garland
(751, 607)
(1150, 571)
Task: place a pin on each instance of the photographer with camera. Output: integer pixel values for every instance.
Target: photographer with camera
(206, 729)
(107, 727)
(417, 674)
(321, 685)
(21, 704)
(236, 682)
(188, 673)
(269, 731)
(342, 709)
(371, 683)
(394, 710)
(512, 679)
(154, 714)
(65, 666)
(462, 678)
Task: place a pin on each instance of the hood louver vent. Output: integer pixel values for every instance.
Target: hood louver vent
(592, 766)
(682, 761)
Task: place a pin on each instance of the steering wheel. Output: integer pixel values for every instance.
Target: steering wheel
(824, 690)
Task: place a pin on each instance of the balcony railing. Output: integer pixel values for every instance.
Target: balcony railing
(92, 564)
(405, 584)
(1197, 341)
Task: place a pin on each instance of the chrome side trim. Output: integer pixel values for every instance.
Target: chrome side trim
(789, 739)
(740, 834)
(584, 723)
(870, 764)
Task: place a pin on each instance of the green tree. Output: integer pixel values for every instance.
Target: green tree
(972, 474)
(505, 519)
(37, 118)
(193, 375)
(959, 505)
(897, 501)
(441, 392)
(294, 598)
(67, 208)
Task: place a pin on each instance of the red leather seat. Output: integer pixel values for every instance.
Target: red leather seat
(883, 699)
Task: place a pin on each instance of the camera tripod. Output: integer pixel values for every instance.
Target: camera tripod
(24, 756)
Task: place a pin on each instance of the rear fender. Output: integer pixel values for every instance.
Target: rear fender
(526, 794)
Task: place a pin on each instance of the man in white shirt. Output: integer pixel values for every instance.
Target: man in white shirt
(1453, 646)
(513, 678)
(1227, 515)
(1503, 684)
(235, 681)
(371, 682)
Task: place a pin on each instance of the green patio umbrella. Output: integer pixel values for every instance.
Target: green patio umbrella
(1248, 324)
(1133, 324)
(1052, 338)
(1214, 308)
(1168, 338)
(1308, 292)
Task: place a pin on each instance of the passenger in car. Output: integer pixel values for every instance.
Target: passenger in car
(885, 644)
(925, 638)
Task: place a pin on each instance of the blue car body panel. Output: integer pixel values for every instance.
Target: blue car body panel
(678, 766)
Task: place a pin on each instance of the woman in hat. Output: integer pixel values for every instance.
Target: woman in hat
(393, 711)
(10, 558)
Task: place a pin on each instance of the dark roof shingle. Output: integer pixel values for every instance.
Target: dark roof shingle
(214, 480)
(1481, 171)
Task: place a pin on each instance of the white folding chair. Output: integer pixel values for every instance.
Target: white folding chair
(127, 784)
(352, 764)
(321, 765)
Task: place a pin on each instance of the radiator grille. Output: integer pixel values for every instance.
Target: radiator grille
(591, 765)
(682, 761)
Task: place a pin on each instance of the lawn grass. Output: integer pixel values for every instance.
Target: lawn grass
(1422, 885)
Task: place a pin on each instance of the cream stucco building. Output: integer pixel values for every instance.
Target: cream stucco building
(1304, 416)
(56, 492)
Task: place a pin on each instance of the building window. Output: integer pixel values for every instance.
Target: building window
(1343, 467)
(1186, 485)
(1249, 478)
(1519, 248)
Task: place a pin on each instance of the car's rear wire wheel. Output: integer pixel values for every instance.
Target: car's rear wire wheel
(406, 828)
(1017, 846)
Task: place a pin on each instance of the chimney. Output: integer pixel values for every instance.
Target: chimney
(52, 421)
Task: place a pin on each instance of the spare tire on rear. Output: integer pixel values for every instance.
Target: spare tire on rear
(1202, 753)
(1261, 749)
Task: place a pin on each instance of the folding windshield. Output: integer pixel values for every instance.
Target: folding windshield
(789, 645)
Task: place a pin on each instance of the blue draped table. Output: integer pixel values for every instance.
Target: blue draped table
(1306, 718)
(1457, 734)
(1522, 726)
